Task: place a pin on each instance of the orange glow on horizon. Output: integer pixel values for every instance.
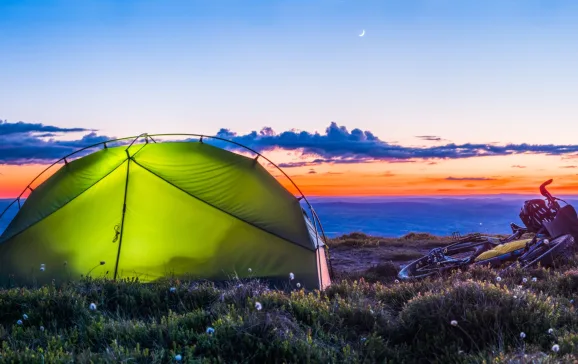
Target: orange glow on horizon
(488, 175)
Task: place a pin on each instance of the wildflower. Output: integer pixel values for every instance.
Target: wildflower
(454, 323)
(291, 276)
(41, 328)
(42, 267)
(210, 330)
(550, 331)
(258, 306)
(556, 348)
(522, 334)
(524, 280)
(172, 289)
(515, 296)
(19, 322)
(250, 270)
(92, 306)
(534, 279)
(178, 357)
(363, 339)
(499, 279)
(25, 317)
(397, 281)
(298, 285)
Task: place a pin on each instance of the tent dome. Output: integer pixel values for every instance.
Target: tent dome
(153, 210)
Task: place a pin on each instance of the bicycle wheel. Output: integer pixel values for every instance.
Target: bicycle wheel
(440, 260)
(547, 253)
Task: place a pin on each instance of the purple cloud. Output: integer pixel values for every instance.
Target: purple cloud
(338, 145)
(22, 143)
(20, 127)
(431, 138)
(26, 143)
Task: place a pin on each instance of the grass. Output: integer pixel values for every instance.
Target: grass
(367, 317)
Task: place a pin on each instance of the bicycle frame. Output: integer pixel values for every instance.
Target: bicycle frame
(442, 261)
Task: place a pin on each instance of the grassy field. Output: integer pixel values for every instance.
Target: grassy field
(364, 317)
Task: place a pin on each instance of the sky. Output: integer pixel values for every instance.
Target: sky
(438, 96)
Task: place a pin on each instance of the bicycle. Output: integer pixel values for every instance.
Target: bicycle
(554, 231)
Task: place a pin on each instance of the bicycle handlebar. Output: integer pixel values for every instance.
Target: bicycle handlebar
(551, 199)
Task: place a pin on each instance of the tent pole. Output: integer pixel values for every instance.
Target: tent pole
(123, 214)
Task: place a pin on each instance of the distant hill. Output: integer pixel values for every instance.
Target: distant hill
(394, 217)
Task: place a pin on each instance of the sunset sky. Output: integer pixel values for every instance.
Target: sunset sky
(438, 96)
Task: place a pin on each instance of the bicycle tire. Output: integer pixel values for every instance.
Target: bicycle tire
(410, 271)
(546, 256)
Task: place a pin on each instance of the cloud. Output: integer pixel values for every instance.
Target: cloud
(568, 166)
(338, 145)
(429, 137)
(22, 143)
(26, 143)
(518, 166)
(388, 174)
(20, 127)
(312, 171)
(469, 179)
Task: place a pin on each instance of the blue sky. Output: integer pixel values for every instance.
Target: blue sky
(468, 71)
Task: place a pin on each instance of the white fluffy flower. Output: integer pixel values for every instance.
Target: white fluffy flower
(524, 280)
(41, 328)
(499, 279)
(19, 322)
(522, 334)
(454, 323)
(534, 279)
(298, 285)
(172, 289)
(258, 306)
(178, 357)
(291, 276)
(92, 306)
(397, 281)
(550, 331)
(210, 330)
(556, 348)
(25, 317)
(250, 270)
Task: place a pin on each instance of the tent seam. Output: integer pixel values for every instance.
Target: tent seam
(217, 208)
(123, 214)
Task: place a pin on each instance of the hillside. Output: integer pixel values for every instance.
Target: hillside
(364, 317)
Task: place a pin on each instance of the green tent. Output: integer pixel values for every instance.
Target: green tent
(153, 210)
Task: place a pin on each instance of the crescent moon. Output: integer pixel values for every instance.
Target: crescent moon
(362, 33)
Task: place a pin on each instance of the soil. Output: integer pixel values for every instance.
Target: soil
(346, 259)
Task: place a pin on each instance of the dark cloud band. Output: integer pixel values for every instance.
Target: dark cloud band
(22, 143)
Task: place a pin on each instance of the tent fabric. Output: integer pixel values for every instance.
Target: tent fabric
(163, 209)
